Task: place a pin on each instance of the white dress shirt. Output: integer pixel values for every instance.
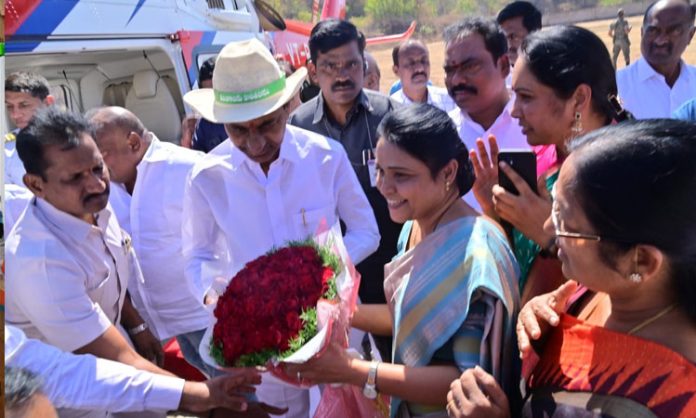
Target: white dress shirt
(645, 93)
(89, 382)
(14, 168)
(16, 199)
(153, 218)
(506, 129)
(234, 213)
(66, 278)
(437, 96)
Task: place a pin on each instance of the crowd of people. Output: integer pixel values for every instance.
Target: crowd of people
(570, 297)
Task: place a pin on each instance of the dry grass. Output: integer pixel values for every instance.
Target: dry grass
(437, 52)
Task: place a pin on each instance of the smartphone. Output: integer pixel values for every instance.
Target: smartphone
(524, 163)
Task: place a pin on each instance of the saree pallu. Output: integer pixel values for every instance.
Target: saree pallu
(429, 289)
(589, 371)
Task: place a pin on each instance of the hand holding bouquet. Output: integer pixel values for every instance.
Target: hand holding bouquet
(283, 305)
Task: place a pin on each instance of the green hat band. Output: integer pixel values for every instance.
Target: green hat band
(254, 95)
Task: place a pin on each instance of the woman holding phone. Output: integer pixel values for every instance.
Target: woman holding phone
(560, 94)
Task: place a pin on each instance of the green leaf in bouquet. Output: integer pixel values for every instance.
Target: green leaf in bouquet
(308, 331)
(217, 353)
(256, 359)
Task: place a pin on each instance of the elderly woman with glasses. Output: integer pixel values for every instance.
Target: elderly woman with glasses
(619, 340)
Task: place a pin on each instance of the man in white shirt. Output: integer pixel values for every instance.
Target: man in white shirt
(412, 66)
(271, 183)
(24, 94)
(660, 81)
(88, 382)
(68, 261)
(476, 65)
(147, 194)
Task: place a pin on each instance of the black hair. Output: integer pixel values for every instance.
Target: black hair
(25, 82)
(634, 181)
(206, 70)
(692, 11)
(21, 386)
(428, 134)
(493, 35)
(558, 59)
(333, 33)
(531, 16)
(50, 126)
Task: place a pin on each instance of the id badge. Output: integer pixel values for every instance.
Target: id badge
(372, 168)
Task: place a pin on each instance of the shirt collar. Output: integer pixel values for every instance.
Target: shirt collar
(505, 115)
(361, 101)
(645, 71)
(70, 225)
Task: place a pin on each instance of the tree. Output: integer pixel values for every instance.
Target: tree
(391, 15)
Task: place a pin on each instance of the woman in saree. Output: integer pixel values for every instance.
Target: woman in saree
(451, 289)
(619, 340)
(560, 94)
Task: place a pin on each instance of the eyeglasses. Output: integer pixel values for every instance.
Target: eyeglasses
(674, 31)
(555, 219)
(335, 68)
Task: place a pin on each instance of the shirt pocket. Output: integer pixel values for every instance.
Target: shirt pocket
(308, 220)
(96, 287)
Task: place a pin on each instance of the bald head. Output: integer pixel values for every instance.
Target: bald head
(122, 140)
(115, 117)
(405, 47)
(668, 27)
(412, 66)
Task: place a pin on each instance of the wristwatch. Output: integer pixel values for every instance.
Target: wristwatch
(370, 389)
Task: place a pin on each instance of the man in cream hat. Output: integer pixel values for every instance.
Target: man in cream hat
(269, 184)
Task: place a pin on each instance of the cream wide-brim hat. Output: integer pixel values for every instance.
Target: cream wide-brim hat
(248, 84)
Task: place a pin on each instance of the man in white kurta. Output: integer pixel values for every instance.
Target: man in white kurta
(148, 178)
(68, 261)
(660, 81)
(270, 183)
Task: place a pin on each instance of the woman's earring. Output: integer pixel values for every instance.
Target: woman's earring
(635, 278)
(447, 186)
(577, 125)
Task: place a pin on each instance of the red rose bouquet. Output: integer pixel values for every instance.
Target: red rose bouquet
(282, 306)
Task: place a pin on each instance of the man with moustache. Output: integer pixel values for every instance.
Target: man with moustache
(412, 66)
(350, 114)
(68, 261)
(476, 65)
(660, 81)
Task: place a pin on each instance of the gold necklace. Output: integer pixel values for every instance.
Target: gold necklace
(651, 319)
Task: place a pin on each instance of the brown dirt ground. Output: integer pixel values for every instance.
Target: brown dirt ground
(437, 52)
